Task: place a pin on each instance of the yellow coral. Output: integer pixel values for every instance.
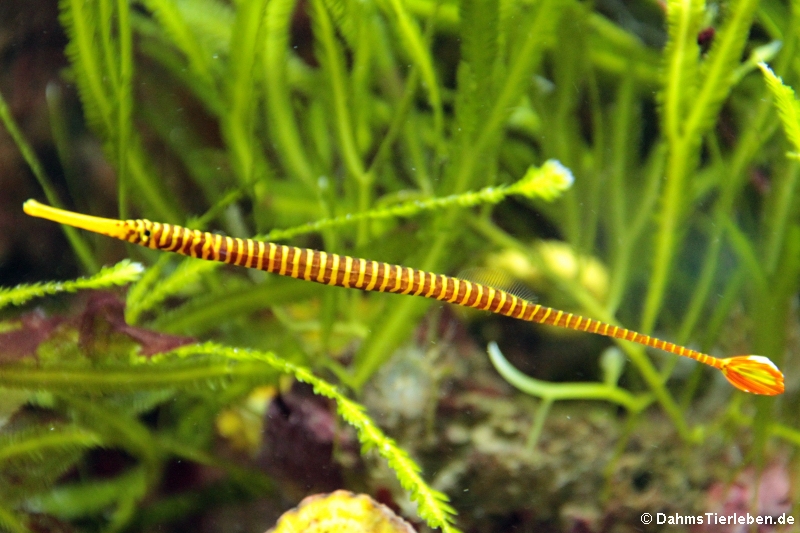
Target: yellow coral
(560, 259)
(341, 512)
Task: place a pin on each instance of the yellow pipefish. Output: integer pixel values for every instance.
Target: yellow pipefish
(750, 373)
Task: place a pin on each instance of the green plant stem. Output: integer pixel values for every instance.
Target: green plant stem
(633, 232)
(673, 199)
(527, 57)
(104, 18)
(398, 120)
(113, 381)
(551, 392)
(780, 216)
(596, 188)
(747, 148)
(238, 123)
(116, 428)
(204, 313)
(546, 182)
(124, 102)
(63, 140)
(279, 103)
(66, 436)
(784, 432)
(122, 273)
(76, 241)
(734, 179)
(403, 120)
(595, 310)
(83, 41)
(415, 45)
(336, 76)
(149, 187)
(333, 63)
(75, 500)
(684, 135)
(620, 155)
(171, 18)
(542, 410)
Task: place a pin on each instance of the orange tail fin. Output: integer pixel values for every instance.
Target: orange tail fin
(753, 373)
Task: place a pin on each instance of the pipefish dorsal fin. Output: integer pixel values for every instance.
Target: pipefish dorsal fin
(498, 279)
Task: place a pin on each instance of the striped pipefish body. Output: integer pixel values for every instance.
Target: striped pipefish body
(751, 373)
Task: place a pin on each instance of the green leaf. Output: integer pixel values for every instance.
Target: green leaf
(330, 54)
(479, 43)
(122, 273)
(80, 21)
(172, 20)
(786, 103)
(187, 274)
(103, 75)
(39, 441)
(78, 500)
(34, 456)
(682, 56)
(415, 47)
(280, 114)
(238, 122)
(719, 68)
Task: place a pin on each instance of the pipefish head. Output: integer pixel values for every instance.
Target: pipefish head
(753, 373)
(135, 231)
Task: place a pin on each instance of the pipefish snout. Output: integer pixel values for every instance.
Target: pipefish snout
(751, 373)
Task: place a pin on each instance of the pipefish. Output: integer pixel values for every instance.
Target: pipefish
(751, 373)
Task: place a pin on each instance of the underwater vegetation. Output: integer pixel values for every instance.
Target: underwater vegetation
(171, 392)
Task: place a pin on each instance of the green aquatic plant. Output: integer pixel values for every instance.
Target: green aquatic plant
(787, 105)
(122, 273)
(100, 49)
(108, 425)
(432, 505)
(607, 391)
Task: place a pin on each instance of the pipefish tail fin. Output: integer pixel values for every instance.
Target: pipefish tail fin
(106, 226)
(754, 373)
